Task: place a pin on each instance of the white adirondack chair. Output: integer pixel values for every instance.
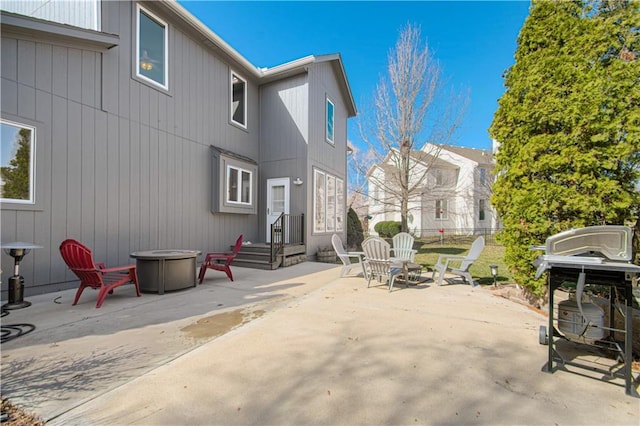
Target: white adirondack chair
(346, 257)
(403, 246)
(377, 253)
(445, 262)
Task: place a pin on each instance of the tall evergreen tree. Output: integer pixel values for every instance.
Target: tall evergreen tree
(569, 126)
(16, 176)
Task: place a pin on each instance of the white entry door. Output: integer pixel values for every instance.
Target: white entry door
(277, 201)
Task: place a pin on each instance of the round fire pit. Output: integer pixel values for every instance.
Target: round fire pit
(165, 270)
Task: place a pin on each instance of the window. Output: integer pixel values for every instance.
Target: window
(17, 163)
(441, 209)
(233, 183)
(439, 178)
(330, 116)
(481, 208)
(339, 204)
(238, 185)
(152, 49)
(328, 203)
(483, 176)
(238, 100)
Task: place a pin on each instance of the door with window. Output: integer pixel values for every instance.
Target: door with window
(277, 201)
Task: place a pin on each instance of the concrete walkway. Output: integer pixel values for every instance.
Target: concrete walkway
(296, 346)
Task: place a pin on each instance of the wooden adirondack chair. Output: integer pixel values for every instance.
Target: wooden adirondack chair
(403, 246)
(377, 254)
(220, 261)
(445, 263)
(79, 259)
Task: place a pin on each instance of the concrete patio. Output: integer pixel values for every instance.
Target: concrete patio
(295, 346)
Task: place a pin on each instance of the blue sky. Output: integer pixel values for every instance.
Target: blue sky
(474, 41)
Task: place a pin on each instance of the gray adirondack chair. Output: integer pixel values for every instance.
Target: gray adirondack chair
(446, 263)
(346, 257)
(403, 246)
(377, 253)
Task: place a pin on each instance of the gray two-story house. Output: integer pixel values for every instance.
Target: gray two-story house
(132, 126)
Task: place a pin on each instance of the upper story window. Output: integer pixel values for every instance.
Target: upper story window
(152, 48)
(239, 183)
(238, 100)
(17, 163)
(483, 175)
(330, 120)
(439, 177)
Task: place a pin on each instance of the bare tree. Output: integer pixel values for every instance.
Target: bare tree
(410, 108)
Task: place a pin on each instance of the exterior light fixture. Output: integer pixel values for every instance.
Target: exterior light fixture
(297, 181)
(494, 273)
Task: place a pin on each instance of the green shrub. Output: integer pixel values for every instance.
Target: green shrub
(355, 234)
(387, 228)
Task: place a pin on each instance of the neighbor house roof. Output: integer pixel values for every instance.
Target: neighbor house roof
(265, 75)
(480, 156)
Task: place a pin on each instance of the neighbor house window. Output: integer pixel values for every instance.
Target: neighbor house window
(17, 163)
(238, 185)
(439, 177)
(481, 209)
(483, 176)
(441, 209)
(152, 48)
(238, 100)
(330, 116)
(328, 202)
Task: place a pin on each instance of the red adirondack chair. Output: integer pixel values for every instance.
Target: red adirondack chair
(220, 261)
(95, 275)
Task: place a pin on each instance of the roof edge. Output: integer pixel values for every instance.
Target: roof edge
(179, 10)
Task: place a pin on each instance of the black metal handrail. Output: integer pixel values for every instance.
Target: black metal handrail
(286, 230)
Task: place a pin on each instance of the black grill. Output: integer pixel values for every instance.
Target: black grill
(596, 255)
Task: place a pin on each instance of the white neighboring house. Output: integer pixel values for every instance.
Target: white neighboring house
(454, 194)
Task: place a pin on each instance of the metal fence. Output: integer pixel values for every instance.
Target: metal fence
(455, 235)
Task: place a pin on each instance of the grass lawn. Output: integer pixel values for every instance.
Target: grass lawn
(428, 252)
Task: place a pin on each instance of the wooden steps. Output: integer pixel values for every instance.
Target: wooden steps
(257, 256)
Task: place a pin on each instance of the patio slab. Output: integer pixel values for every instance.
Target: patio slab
(296, 346)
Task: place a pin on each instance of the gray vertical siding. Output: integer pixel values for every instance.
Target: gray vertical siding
(125, 166)
(284, 136)
(330, 158)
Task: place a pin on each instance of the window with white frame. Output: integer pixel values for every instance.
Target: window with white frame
(441, 209)
(330, 121)
(328, 202)
(239, 183)
(17, 163)
(238, 100)
(481, 209)
(152, 48)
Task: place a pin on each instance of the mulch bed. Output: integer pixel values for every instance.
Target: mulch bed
(15, 416)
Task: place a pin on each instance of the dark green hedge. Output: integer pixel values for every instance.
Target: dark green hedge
(355, 235)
